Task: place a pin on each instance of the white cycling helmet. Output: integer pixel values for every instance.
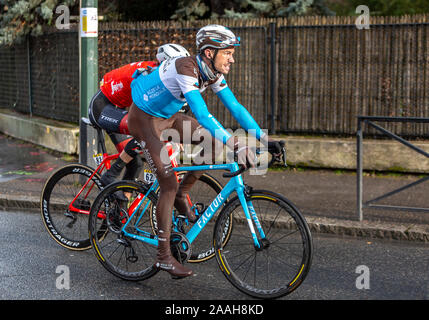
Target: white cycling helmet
(171, 50)
(215, 36)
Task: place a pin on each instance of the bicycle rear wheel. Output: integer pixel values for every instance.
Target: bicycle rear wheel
(69, 227)
(283, 261)
(123, 256)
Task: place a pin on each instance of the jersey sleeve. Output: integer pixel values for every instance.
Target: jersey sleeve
(187, 83)
(204, 117)
(239, 112)
(219, 84)
(187, 75)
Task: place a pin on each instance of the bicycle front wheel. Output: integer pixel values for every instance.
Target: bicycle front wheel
(123, 254)
(65, 205)
(281, 261)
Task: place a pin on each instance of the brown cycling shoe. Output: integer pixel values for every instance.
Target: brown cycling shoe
(173, 267)
(182, 205)
(165, 261)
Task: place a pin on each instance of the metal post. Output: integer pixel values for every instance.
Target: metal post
(273, 75)
(30, 94)
(88, 60)
(359, 169)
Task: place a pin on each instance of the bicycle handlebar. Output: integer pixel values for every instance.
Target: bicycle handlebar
(236, 173)
(275, 158)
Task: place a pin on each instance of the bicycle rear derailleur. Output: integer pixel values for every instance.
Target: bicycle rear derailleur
(130, 253)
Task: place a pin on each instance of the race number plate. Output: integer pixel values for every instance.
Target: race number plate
(148, 176)
(98, 158)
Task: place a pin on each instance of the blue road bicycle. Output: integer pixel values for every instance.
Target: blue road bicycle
(261, 241)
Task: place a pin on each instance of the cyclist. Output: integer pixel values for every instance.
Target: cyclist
(108, 110)
(158, 96)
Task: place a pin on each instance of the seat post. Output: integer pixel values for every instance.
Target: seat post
(101, 141)
(88, 134)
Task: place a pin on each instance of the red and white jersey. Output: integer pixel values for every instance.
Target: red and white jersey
(116, 83)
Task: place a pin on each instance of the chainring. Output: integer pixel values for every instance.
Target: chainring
(180, 247)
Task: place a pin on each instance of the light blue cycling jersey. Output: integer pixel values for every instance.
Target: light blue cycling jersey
(165, 90)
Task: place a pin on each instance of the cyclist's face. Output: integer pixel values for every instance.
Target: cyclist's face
(224, 59)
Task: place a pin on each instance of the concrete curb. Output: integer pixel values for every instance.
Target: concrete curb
(11, 202)
(360, 229)
(368, 229)
(55, 135)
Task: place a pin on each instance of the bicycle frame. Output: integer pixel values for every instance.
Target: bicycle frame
(235, 184)
(105, 163)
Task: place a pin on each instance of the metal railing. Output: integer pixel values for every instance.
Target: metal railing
(369, 120)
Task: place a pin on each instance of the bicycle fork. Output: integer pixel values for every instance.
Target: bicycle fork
(252, 218)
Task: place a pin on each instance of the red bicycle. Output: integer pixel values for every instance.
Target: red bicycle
(69, 192)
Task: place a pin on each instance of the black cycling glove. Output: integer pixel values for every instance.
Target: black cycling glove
(275, 146)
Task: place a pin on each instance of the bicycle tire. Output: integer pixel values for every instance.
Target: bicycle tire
(204, 191)
(122, 256)
(273, 271)
(68, 229)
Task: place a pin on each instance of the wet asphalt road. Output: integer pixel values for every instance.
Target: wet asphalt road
(32, 266)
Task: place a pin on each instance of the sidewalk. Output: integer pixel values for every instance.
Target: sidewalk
(326, 198)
